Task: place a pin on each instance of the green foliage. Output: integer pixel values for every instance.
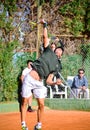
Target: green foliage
(75, 14)
(10, 70)
(42, 2)
(10, 5)
(85, 50)
(71, 64)
(20, 59)
(7, 70)
(7, 76)
(52, 2)
(68, 104)
(12, 106)
(87, 19)
(10, 67)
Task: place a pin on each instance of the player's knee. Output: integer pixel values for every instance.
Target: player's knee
(24, 102)
(41, 106)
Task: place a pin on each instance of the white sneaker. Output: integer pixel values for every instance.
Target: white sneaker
(38, 127)
(24, 128)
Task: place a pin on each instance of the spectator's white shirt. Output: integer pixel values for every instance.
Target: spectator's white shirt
(26, 71)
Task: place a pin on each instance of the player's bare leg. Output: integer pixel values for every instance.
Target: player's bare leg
(23, 113)
(29, 109)
(40, 113)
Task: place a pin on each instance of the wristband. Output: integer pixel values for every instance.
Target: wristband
(45, 25)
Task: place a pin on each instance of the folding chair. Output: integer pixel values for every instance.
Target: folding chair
(58, 90)
(70, 80)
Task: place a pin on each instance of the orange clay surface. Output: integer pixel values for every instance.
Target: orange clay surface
(52, 120)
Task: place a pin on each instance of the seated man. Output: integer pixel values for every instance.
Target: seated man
(80, 84)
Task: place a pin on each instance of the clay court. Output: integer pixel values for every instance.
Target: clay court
(53, 120)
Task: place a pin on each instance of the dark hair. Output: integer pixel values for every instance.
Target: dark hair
(53, 43)
(81, 70)
(61, 44)
(58, 48)
(29, 61)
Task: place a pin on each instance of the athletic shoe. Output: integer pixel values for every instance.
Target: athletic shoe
(38, 127)
(30, 110)
(24, 128)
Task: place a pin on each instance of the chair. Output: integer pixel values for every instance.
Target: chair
(58, 90)
(70, 80)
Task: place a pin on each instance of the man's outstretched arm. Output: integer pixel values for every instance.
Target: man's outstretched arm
(45, 34)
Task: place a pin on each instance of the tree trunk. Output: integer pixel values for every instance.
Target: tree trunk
(39, 12)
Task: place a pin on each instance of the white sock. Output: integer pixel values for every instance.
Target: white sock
(39, 123)
(23, 123)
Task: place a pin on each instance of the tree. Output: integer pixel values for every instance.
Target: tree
(76, 14)
(7, 79)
